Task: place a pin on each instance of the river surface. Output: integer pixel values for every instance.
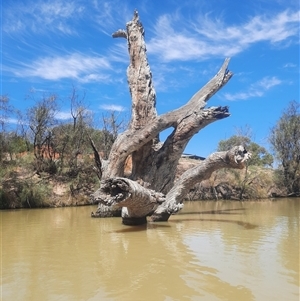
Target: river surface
(210, 251)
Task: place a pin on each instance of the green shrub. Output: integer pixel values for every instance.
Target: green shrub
(33, 196)
(5, 199)
(24, 195)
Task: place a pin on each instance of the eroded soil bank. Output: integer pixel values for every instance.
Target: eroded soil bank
(21, 188)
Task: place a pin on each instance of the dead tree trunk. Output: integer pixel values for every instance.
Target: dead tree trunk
(150, 190)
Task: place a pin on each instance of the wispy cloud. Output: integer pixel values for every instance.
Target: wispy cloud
(173, 38)
(81, 67)
(112, 107)
(257, 89)
(11, 120)
(290, 65)
(259, 28)
(212, 37)
(111, 14)
(61, 115)
(41, 16)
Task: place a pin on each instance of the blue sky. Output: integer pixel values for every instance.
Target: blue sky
(51, 46)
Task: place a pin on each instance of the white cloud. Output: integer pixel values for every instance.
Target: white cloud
(77, 66)
(66, 115)
(257, 89)
(259, 28)
(94, 77)
(64, 17)
(209, 37)
(63, 115)
(41, 16)
(290, 65)
(10, 120)
(112, 107)
(268, 82)
(111, 14)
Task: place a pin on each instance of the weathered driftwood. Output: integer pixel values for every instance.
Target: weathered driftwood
(234, 158)
(137, 201)
(154, 163)
(141, 202)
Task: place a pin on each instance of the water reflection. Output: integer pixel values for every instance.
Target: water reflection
(245, 225)
(212, 251)
(223, 211)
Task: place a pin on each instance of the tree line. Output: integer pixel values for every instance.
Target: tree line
(284, 140)
(59, 146)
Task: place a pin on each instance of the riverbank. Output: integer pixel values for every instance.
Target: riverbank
(22, 188)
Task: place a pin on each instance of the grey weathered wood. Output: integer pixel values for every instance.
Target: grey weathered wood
(141, 201)
(234, 158)
(154, 163)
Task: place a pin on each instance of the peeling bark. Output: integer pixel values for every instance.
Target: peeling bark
(150, 189)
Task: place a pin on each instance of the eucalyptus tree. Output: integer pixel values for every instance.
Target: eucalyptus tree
(285, 140)
(5, 110)
(41, 120)
(260, 156)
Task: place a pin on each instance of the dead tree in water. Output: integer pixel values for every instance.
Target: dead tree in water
(151, 189)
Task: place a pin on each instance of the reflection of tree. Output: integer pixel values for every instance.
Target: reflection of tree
(289, 244)
(252, 255)
(151, 262)
(209, 253)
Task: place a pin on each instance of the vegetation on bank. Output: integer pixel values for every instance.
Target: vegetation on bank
(22, 187)
(48, 162)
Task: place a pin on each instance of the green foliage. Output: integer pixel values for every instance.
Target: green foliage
(225, 145)
(260, 156)
(279, 178)
(244, 180)
(285, 140)
(24, 194)
(33, 196)
(41, 119)
(58, 151)
(5, 110)
(3, 146)
(12, 145)
(103, 140)
(18, 144)
(5, 199)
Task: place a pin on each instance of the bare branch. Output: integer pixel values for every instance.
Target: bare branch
(97, 159)
(121, 33)
(234, 158)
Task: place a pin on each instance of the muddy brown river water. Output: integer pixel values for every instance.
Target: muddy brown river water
(210, 251)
